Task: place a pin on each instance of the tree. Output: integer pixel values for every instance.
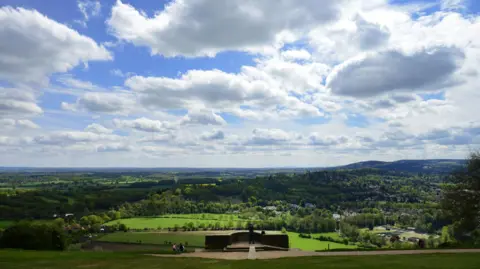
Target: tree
(122, 227)
(461, 198)
(32, 236)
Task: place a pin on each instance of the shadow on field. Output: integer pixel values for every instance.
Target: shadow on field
(126, 247)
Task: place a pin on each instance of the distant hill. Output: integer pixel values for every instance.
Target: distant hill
(440, 166)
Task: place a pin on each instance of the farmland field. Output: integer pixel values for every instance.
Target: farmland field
(169, 221)
(313, 244)
(196, 239)
(52, 260)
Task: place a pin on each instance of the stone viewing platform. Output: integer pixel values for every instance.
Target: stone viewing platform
(239, 241)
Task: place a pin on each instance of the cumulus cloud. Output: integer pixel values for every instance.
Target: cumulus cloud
(321, 140)
(265, 87)
(18, 123)
(202, 117)
(34, 46)
(72, 137)
(212, 87)
(388, 71)
(89, 8)
(114, 148)
(144, 125)
(214, 135)
(18, 102)
(293, 55)
(218, 25)
(103, 102)
(452, 4)
(263, 137)
(97, 128)
(369, 35)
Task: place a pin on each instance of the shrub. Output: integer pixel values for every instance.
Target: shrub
(305, 235)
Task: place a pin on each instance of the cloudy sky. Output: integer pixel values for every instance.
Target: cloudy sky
(237, 83)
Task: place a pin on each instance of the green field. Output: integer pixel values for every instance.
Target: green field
(206, 216)
(332, 235)
(5, 223)
(108, 260)
(193, 239)
(313, 244)
(169, 221)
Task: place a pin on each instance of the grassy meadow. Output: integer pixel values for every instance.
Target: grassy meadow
(169, 221)
(109, 260)
(313, 244)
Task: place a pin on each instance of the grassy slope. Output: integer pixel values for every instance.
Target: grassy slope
(140, 223)
(105, 260)
(312, 244)
(197, 240)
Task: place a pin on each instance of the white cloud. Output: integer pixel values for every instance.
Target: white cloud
(114, 148)
(262, 88)
(18, 123)
(72, 137)
(292, 55)
(263, 137)
(104, 102)
(34, 46)
(320, 140)
(202, 117)
(452, 4)
(388, 71)
(88, 9)
(144, 125)
(369, 35)
(214, 135)
(70, 81)
(18, 102)
(97, 128)
(218, 25)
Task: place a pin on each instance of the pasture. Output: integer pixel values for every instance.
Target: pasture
(179, 220)
(313, 244)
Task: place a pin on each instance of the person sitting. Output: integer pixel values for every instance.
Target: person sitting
(182, 248)
(174, 247)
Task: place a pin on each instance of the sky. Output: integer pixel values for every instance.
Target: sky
(237, 83)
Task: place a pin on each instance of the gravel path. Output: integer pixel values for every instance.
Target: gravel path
(284, 254)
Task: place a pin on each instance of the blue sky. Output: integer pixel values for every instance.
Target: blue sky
(122, 83)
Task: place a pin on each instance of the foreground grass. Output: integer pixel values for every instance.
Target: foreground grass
(313, 244)
(57, 260)
(193, 239)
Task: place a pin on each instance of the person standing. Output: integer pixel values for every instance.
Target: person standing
(251, 234)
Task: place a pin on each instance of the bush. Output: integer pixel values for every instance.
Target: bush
(284, 231)
(26, 235)
(122, 227)
(305, 235)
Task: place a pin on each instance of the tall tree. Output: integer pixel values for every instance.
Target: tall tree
(461, 197)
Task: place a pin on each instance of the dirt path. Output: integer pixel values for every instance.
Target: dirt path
(284, 254)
